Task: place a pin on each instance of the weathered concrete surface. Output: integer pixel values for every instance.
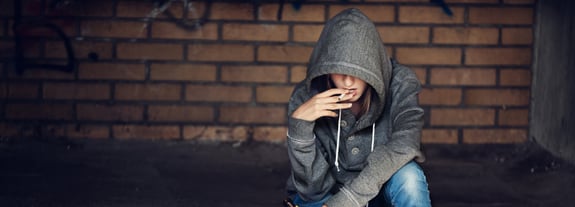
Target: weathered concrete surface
(50, 172)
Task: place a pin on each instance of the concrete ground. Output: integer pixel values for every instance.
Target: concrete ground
(59, 172)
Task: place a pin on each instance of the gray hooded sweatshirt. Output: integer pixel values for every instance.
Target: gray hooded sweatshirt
(374, 146)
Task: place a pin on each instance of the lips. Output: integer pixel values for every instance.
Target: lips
(353, 92)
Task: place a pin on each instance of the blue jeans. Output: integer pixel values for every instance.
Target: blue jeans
(407, 187)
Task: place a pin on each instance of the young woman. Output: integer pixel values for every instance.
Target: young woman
(355, 123)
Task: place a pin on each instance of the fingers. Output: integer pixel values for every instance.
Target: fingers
(332, 92)
(337, 96)
(334, 106)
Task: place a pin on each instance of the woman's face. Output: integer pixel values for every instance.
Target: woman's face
(355, 85)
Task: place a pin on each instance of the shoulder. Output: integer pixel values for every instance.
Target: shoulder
(404, 80)
(402, 73)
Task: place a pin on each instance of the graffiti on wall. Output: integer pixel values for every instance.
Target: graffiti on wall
(23, 28)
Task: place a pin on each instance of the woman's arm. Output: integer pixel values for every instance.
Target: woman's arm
(310, 169)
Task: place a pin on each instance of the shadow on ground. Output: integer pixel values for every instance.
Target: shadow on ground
(59, 172)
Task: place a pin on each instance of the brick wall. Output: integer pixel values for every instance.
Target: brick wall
(142, 76)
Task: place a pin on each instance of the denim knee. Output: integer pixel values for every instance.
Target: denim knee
(408, 187)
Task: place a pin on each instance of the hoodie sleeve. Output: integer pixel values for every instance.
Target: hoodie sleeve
(403, 146)
(310, 168)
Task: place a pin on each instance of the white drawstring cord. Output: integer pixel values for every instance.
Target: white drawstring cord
(372, 136)
(338, 136)
(337, 141)
(372, 144)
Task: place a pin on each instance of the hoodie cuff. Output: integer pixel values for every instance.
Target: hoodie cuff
(300, 129)
(342, 199)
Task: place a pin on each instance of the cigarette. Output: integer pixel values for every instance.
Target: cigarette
(341, 96)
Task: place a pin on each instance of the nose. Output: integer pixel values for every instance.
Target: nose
(348, 80)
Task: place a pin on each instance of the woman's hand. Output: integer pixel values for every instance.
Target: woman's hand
(323, 104)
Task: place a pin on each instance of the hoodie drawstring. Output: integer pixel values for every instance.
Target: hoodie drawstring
(337, 141)
(338, 136)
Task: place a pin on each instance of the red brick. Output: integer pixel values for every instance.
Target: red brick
(109, 112)
(150, 51)
(104, 8)
(429, 56)
(519, 1)
(513, 117)
(404, 34)
(40, 75)
(462, 117)
(284, 53)
(111, 71)
(31, 49)
(183, 72)
(39, 111)
(421, 74)
(515, 77)
(270, 134)
(298, 73)
(517, 36)
(440, 96)
(150, 91)
(218, 93)
(221, 52)
(232, 11)
(257, 74)
(273, 94)
(498, 56)
(23, 90)
(376, 13)
(180, 113)
(439, 136)
(465, 35)
(252, 115)
(10, 130)
(196, 10)
(114, 29)
(307, 13)
(255, 32)
(68, 26)
(498, 15)
(142, 9)
(170, 30)
(463, 76)
(268, 12)
(497, 97)
(430, 14)
(216, 133)
(86, 131)
(306, 33)
(146, 132)
(82, 49)
(492, 136)
(77, 91)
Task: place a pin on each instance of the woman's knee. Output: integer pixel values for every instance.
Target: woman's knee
(408, 184)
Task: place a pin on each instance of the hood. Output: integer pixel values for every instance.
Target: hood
(350, 44)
